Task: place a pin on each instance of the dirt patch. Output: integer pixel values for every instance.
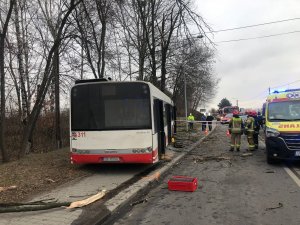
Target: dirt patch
(37, 173)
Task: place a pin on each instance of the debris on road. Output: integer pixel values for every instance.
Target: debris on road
(50, 180)
(247, 154)
(139, 202)
(280, 205)
(270, 171)
(7, 188)
(31, 206)
(209, 158)
(228, 165)
(81, 203)
(178, 145)
(154, 176)
(168, 157)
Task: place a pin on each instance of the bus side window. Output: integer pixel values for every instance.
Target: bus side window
(159, 125)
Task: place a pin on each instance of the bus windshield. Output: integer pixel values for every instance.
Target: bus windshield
(228, 110)
(110, 106)
(284, 111)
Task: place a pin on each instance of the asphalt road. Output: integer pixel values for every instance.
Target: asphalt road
(234, 190)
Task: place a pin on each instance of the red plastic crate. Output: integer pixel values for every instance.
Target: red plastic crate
(182, 183)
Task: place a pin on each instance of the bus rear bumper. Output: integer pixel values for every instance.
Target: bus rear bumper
(120, 158)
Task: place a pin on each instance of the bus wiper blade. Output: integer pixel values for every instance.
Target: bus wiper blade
(295, 119)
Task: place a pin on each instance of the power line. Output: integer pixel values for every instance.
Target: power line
(296, 81)
(254, 25)
(260, 37)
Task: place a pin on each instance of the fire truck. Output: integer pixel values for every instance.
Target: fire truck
(282, 125)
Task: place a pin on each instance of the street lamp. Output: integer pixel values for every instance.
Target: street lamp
(237, 101)
(185, 100)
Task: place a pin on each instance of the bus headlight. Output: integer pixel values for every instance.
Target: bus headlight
(271, 132)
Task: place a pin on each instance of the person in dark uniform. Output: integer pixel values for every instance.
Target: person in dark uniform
(209, 120)
(203, 122)
(257, 124)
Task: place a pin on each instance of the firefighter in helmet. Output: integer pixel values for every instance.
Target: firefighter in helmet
(235, 128)
(257, 125)
(249, 129)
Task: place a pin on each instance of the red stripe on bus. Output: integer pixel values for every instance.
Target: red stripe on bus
(279, 99)
(124, 158)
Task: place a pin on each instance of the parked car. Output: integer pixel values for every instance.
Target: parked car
(225, 119)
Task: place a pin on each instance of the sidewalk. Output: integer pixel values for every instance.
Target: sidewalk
(88, 186)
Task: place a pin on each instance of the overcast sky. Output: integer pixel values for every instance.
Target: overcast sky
(248, 68)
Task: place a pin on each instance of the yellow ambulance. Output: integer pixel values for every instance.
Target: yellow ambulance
(282, 125)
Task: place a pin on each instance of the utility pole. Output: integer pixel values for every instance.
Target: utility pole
(185, 100)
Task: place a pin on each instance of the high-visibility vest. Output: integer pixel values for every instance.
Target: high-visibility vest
(191, 118)
(236, 125)
(250, 124)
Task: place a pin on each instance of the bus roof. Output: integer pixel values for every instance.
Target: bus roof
(153, 90)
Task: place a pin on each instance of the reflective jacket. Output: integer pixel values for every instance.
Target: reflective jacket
(250, 124)
(191, 118)
(236, 125)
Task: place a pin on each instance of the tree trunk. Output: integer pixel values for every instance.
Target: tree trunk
(57, 99)
(152, 50)
(163, 70)
(4, 153)
(32, 119)
(102, 45)
(20, 56)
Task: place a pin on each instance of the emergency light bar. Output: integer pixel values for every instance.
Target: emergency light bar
(286, 90)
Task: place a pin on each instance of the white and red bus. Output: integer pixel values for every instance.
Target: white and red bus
(227, 109)
(119, 122)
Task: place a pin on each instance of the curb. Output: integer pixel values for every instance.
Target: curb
(125, 196)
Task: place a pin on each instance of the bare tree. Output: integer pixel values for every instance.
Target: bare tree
(45, 82)
(21, 63)
(134, 38)
(192, 67)
(92, 23)
(3, 32)
(53, 21)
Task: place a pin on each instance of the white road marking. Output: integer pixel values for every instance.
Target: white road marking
(292, 175)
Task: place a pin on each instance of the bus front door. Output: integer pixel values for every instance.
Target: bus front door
(159, 126)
